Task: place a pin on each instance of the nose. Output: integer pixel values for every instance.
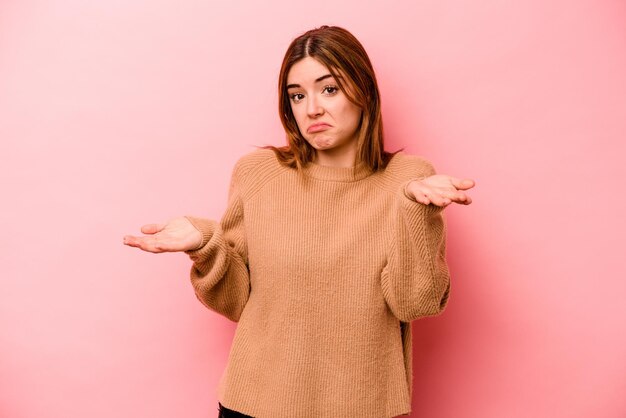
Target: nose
(313, 107)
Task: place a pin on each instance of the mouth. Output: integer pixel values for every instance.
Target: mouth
(318, 127)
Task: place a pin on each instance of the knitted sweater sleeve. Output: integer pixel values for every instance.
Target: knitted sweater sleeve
(220, 274)
(416, 279)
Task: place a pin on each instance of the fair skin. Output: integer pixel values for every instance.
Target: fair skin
(329, 122)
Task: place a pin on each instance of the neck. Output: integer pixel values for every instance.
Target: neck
(336, 157)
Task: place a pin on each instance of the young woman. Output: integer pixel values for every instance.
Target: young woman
(327, 250)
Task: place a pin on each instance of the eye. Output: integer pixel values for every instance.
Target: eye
(296, 97)
(331, 89)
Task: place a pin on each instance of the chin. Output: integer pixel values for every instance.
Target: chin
(323, 143)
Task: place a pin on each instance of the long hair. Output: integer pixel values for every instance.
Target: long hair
(343, 54)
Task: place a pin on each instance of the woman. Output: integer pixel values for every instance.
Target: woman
(327, 250)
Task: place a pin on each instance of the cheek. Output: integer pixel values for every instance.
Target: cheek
(352, 116)
(349, 112)
(297, 114)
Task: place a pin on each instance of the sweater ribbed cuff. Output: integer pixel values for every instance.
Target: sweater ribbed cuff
(206, 228)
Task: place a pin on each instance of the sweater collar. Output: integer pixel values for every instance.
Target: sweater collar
(342, 174)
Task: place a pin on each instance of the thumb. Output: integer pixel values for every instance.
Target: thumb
(152, 228)
(462, 184)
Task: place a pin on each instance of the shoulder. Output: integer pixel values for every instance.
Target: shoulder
(256, 168)
(408, 166)
(260, 162)
(401, 168)
(255, 158)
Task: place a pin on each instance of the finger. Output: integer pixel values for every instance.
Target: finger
(439, 196)
(421, 196)
(435, 198)
(440, 200)
(428, 195)
(463, 200)
(462, 184)
(152, 244)
(450, 194)
(460, 198)
(148, 243)
(152, 228)
(132, 240)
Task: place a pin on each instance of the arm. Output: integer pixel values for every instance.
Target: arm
(416, 279)
(220, 274)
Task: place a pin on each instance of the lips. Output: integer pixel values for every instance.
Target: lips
(318, 127)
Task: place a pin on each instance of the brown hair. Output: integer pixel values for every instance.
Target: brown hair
(343, 54)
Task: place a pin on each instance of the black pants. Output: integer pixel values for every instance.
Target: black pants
(229, 413)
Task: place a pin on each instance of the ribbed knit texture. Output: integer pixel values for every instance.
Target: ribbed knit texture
(323, 271)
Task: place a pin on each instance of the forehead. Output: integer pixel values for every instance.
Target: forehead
(307, 70)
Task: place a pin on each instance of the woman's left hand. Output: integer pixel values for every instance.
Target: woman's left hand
(441, 190)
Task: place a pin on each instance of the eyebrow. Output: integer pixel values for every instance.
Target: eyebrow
(324, 77)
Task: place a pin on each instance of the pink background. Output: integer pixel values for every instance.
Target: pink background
(115, 114)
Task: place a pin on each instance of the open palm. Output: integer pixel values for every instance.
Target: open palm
(441, 190)
(176, 235)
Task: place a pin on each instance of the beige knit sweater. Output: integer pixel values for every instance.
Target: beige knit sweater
(323, 271)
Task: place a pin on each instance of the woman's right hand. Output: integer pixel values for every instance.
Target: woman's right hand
(176, 235)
